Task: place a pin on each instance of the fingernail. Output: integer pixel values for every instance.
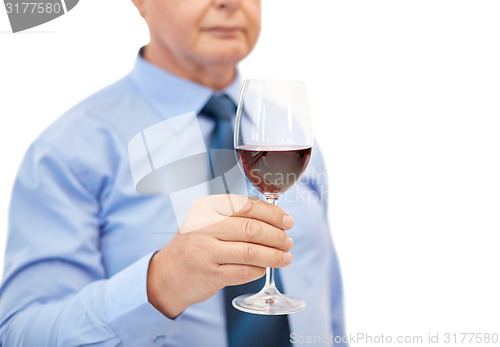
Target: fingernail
(288, 221)
(289, 243)
(287, 258)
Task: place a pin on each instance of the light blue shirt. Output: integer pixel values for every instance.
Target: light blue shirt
(81, 237)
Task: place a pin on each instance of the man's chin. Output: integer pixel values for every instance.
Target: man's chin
(228, 57)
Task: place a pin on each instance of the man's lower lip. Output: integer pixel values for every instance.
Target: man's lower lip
(223, 32)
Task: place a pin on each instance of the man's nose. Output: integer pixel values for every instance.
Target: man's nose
(229, 4)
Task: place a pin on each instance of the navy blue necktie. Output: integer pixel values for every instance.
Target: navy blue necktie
(222, 110)
(244, 329)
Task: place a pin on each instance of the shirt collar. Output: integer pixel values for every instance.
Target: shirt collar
(171, 95)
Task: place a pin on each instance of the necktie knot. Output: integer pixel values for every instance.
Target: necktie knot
(222, 110)
(220, 107)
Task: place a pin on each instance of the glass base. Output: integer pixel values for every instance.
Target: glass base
(269, 301)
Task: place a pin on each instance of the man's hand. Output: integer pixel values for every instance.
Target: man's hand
(224, 240)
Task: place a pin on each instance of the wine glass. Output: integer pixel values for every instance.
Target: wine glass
(273, 142)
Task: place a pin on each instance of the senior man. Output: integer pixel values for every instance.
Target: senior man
(89, 261)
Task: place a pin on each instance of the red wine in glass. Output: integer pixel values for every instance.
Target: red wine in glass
(272, 170)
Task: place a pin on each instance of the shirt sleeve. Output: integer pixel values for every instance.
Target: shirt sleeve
(55, 291)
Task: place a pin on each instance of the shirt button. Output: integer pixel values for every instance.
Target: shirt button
(159, 338)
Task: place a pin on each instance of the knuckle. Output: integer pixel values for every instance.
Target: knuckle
(218, 276)
(200, 201)
(251, 228)
(243, 272)
(196, 243)
(214, 270)
(249, 254)
(248, 206)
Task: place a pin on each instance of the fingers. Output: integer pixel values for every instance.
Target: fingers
(238, 274)
(243, 206)
(251, 254)
(265, 212)
(256, 222)
(254, 231)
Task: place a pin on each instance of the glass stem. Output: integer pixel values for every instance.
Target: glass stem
(270, 277)
(270, 271)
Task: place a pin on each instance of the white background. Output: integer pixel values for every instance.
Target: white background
(406, 105)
